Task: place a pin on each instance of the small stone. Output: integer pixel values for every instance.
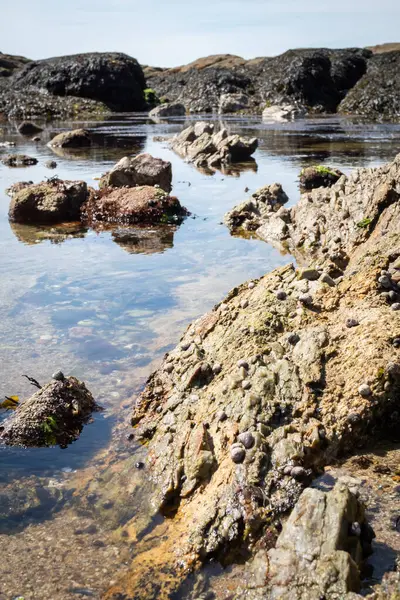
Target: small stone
(221, 416)
(139, 465)
(243, 363)
(281, 295)
(309, 274)
(58, 376)
(384, 281)
(194, 398)
(217, 368)
(287, 470)
(108, 504)
(351, 323)
(293, 339)
(392, 296)
(185, 346)
(246, 384)
(169, 368)
(244, 304)
(306, 299)
(325, 278)
(395, 306)
(364, 390)
(355, 529)
(396, 342)
(238, 454)
(51, 164)
(298, 472)
(387, 387)
(130, 437)
(247, 439)
(251, 285)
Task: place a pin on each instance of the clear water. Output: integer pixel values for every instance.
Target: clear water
(106, 306)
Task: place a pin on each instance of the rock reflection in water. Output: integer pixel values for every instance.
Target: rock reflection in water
(30, 234)
(145, 240)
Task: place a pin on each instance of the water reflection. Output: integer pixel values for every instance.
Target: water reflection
(30, 234)
(145, 240)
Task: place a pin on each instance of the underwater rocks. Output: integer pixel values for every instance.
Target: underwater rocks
(263, 392)
(249, 215)
(318, 176)
(142, 170)
(78, 138)
(18, 160)
(204, 148)
(135, 205)
(168, 110)
(54, 415)
(51, 201)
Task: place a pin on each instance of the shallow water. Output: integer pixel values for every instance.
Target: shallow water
(106, 306)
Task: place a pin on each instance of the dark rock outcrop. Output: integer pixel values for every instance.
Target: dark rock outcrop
(318, 176)
(113, 78)
(28, 128)
(141, 170)
(134, 205)
(51, 201)
(55, 414)
(9, 64)
(377, 94)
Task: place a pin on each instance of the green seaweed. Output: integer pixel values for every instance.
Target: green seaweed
(151, 97)
(50, 428)
(364, 223)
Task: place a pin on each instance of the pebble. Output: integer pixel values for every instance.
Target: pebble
(364, 390)
(221, 416)
(392, 295)
(325, 278)
(298, 472)
(130, 436)
(244, 303)
(169, 368)
(395, 306)
(247, 439)
(351, 323)
(58, 376)
(384, 281)
(217, 368)
(243, 363)
(251, 285)
(293, 338)
(185, 346)
(396, 342)
(306, 299)
(246, 385)
(238, 454)
(139, 465)
(356, 529)
(281, 295)
(194, 398)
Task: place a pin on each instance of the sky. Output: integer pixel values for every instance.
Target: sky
(162, 33)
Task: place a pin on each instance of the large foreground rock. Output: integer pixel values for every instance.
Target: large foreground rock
(54, 415)
(278, 379)
(51, 201)
(201, 146)
(136, 205)
(143, 169)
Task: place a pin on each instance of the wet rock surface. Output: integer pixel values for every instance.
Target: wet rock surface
(318, 176)
(18, 160)
(282, 371)
(78, 138)
(125, 206)
(54, 415)
(249, 215)
(142, 170)
(51, 201)
(203, 147)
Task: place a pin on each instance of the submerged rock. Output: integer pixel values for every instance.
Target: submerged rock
(200, 145)
(136, 205)
(51, 201)
(78, 138)
(54, 415)
(28, 128)
(318, 176)
(142, 170)
(18, 160)
(168, 110)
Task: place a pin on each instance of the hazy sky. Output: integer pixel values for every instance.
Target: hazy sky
(164, 33)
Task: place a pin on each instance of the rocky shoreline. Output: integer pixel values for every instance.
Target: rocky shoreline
(355, 81)
(284, 375)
